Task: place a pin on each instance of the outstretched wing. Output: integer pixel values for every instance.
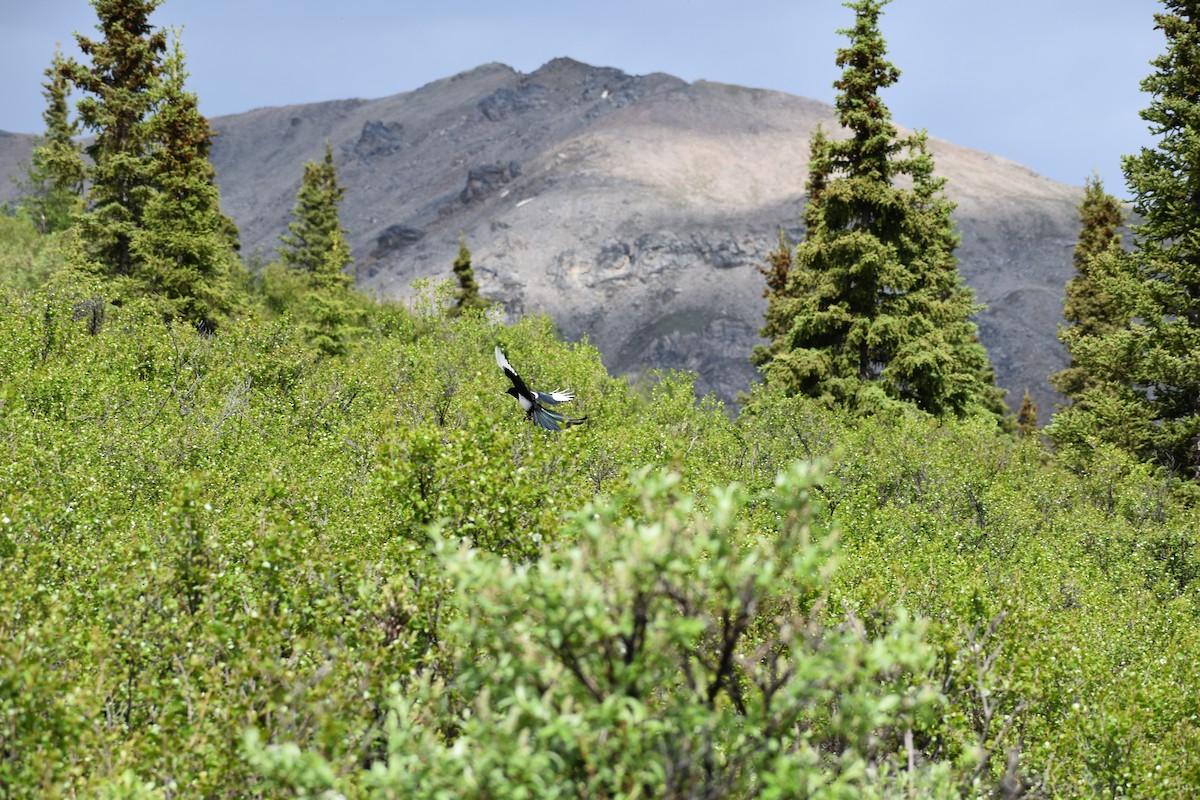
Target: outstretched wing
(511, 373)
(556, 397)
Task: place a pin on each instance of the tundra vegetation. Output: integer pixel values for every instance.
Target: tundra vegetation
(262, 536)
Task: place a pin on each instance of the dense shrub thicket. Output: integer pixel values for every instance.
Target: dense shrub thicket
(261, 536)
(236, 566)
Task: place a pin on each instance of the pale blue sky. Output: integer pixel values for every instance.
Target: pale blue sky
(1051, 84)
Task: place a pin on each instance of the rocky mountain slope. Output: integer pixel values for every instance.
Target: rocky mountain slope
(632, 209)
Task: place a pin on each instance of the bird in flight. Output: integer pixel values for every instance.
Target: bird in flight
(534, 403)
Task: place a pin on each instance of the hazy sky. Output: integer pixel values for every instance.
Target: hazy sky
(1051, 84)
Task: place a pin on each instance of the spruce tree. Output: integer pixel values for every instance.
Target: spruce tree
(328, 315)
(56, 172)
(873, 311)
(467, 295)
(315, 241)
(186, 248)
(1088, 310)
(153, 224)
(1027, 417)
(118, 87)
(315, 246)
(1146, 372)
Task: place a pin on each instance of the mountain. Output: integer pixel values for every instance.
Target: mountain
(14, 152)
(632, 209)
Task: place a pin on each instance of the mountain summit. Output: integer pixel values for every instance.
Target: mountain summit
(631, 209)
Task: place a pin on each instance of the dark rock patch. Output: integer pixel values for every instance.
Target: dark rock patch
(505, 103)
(394, 238)
(378, 139)
(486, 179)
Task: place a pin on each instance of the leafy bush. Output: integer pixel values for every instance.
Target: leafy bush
(27, 258)
(665, 652)
(1059, 604)
(362, 556)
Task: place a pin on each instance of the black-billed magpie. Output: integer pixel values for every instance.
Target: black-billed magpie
(534, 403)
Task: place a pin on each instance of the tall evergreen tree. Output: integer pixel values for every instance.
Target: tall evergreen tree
(153, 224)
(1089, 310)
(56, 172)
(315, 241)
(118, 88)
(1027, 417)
(1147, 371)
(186, 248)
(467, 295)
(873, 310)
(315, 246)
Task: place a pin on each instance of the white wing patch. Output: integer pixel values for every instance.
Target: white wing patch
(502, 361)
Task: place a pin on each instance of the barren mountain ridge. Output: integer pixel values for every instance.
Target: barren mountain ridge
(634, 210)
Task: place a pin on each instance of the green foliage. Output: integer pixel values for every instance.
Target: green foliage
(319, 552)
(779, 265)
(1087, 308)
(152, 224)
(1027, 417)
(28, 257)
(1146, 373)
(1101, 216)
(872, 310)
(1059, 604)
(320, 571)
(315, 241)
(212, 533)
(118, 87)
(467, 295)
(671, 650)
(55, 174)
(315, 247)
(186, 250)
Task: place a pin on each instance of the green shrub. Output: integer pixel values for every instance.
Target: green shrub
(663, 653)
(204, 535)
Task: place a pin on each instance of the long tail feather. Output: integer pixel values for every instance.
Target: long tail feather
(553, 421)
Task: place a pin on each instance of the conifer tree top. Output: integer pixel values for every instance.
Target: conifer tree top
(315, 240)
(1140, 373)
(871, 311)
(865, 71)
